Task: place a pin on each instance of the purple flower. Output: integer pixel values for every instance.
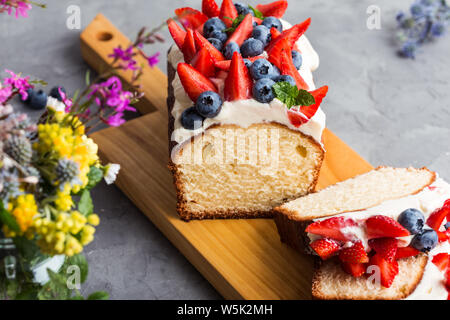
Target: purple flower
(115, 120)
(409, 50)
(5, 94)
(21, 7)
(125, 58)
(153, 60)
(437, 29)
(15, 82)
(65, 100)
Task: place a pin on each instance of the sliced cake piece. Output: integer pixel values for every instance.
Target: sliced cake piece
(381, 235)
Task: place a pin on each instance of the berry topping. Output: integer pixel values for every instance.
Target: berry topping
(354, 269)
(190, 119)
(441, 261)
(272, 22)
(248, 63)
(262, 33)
(291, 35)
(243, 9)
(177, 33)
(388, 269)
(243, 31)
(210, 8)
(252, 48)
(262, 69)
(54, 93)
(382, 226)
(209, 104)
(213, 25)
(189, 49)
(228, 12)
(230, 49)
(201, 42)
(220, 35)
(204, 63)
(285, 78)
(216, 43)
(190, 18)
(262, 90)
(287, 67)
(406, 252)
(194, 83)
(238, 84)
(436, 219)
(37, 99)
(386, 247)
(318, 94)
(354, 254)
(425, 241)
(325, 248)
(413, 220)
(297, 58)
(331, 228)
(274, 9)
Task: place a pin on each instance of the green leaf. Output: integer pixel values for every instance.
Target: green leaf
(80, 261)
(95, 175)
(7, 219)
(56, 288)
(85, 205)
(235, 24)
(305, 98)
(258, 14)
(291, 96)
(99, 295)
(87, 78)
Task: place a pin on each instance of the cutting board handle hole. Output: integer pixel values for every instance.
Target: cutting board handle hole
(104, 36)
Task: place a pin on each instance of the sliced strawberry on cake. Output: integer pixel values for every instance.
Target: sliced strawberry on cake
(190, 18)
(238, 85)
(228, 12)
(177, 33)
(275, 9)
(189, 48)
(210, 8)
(193, 81)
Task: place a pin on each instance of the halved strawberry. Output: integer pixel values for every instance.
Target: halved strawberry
(406, 252)
(243, 31)
(382, 226)
(386, 247)
(258, 21)
(204, 63)
(202, 42)
(291, 35)
(238, 85)
(296, 118)
(325, 248)
(287, 67)
(189, 49)
(194, 83)
(228, 12)
(319, 95)
(354, 269)
(275, 33)
(443, 235)
(176, 32)
(190, 18)
(210, 8)
(275, 9)
(388, 269)
(225, 64)
(437, 217)
(354, 254)
(441, 261)
(331, 228)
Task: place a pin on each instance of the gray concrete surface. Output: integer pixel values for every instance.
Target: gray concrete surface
(390, 110)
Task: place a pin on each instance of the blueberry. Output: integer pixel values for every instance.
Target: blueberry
(276, 72)
(262, 90)
(55, 92)
(216, 43)
(209, 104)
(413, 220)
(222, 36)
(37, 99)
(230, 49)
(425, 241)
(248, 63)
(243, 9)
(252, 48)
(190, 119)
(262, 33)
(272, 22)
(213, 24)
(298, 60)
(286, 78)
(261, 68)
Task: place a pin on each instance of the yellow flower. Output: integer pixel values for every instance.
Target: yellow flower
(23, 209)
(64, 201)
(93, 219)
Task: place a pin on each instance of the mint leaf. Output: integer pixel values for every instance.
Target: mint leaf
(85, 205)
(305, 98)
(99, 295)
(258, 14)
(291, 96)
(235, 24)
(7, 219)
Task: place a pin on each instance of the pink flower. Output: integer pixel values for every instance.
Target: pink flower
(125, 58)
(115, 120)
(65, 100)
(5, 94)
(18, 83)
(153, 60)
(21, 7)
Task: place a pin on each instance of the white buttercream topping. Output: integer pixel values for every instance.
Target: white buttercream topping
(244, 113)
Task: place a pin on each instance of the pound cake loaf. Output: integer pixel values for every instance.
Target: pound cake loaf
(245, 123)
(381, 235)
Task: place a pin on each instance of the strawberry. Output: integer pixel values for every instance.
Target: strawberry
(406, 252)
(238, 85)
(437, 217)
(258, 21)
(201, 42)
(291, 35)
(210, 8)
(225, 64)
(331, 228)
(443, 235)
(318, 94)
(388, 269)
(194, 83)
(275, 9)
(325, 248)
(441, 261)
(354, 254)
(386, 247)
(296, 118)
(287, 67)
(204, 63)
(189, 49)
(228, 12)
(190, 18)
(243, 31)
(222, 75)
(383, 226)
(354, 269)
(176, 32)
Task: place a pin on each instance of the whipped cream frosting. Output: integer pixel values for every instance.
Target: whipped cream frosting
(431, 287)
(244, 113)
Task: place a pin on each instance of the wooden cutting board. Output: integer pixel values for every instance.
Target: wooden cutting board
(242, 259)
